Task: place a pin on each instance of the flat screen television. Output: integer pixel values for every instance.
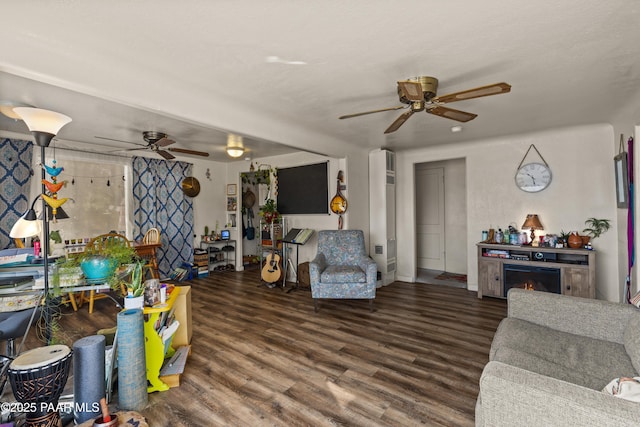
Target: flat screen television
(303, 189)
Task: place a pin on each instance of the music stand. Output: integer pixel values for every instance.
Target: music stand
(297, 237)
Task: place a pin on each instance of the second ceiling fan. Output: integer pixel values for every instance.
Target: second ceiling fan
(421, 94)
(156, 141)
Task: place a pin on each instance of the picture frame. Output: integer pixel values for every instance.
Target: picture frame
(232, 189)
(232, 204)
(622, 180)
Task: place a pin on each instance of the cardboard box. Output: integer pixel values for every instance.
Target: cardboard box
(182, 337)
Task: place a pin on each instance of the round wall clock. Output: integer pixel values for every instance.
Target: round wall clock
(190, 186)
(533, 177)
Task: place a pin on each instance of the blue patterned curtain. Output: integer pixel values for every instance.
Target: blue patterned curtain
(15, 174)
(159, 202)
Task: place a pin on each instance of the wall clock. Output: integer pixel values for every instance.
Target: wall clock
(534, 176)
(190, 186)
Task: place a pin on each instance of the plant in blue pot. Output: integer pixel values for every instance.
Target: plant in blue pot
(98, 268)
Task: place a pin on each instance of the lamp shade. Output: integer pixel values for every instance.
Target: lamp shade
(532, 222)
(24, 228)
(39, 120)
(60, 213)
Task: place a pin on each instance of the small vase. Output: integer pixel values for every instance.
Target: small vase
(585, 240)
(134, 302)
(575, 241)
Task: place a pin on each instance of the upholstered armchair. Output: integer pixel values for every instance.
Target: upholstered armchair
(342, 269)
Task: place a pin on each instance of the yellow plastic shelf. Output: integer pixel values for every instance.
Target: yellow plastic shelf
(154, 347)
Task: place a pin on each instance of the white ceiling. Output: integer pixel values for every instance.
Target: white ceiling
(198, 69)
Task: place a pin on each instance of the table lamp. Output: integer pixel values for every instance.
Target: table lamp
(533, 223)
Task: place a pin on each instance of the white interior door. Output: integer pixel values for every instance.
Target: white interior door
(430, 218)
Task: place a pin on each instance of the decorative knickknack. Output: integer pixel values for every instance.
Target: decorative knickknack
(574, 240)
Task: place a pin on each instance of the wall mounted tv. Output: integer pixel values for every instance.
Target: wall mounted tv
(304, 189)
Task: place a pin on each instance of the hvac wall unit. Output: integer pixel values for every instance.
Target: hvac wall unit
(382, 213)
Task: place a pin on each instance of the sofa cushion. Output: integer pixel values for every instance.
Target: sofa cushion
(343, 274)
(632, 341)
(580, 360)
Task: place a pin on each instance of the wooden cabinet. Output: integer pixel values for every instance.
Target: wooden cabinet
(490, 275)
(575, 282)
(576, 267)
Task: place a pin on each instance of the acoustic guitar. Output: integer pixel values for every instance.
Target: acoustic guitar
(338, 203)
(272, 270)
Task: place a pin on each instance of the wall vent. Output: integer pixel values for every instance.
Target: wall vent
(379, 249)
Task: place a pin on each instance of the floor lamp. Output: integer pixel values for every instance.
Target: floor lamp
(44, 125)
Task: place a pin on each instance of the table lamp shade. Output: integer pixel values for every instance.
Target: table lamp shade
(533, 223)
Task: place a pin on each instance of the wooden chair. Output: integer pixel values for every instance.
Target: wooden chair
(96, 246)
(147, 250)
(151, 236)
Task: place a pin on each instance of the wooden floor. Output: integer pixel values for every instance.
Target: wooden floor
(262, 357)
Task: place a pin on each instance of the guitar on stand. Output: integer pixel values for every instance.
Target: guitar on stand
(338, 202)
(272, 270)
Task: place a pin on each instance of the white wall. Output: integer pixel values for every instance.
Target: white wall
(209, 206)
(583, 186)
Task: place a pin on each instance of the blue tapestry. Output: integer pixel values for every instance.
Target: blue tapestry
(159, 202)
(15, 175)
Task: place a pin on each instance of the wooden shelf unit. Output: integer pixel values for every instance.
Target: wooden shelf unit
(577, 268)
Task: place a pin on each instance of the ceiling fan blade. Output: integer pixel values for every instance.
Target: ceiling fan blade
(494, 89)
(348, 116)
(185, 151)
(450, 113)
(163, 142)
(411, 90)
(119, 140)
(167, 155)
(399, 122)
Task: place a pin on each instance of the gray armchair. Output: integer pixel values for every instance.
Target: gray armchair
(342, 269)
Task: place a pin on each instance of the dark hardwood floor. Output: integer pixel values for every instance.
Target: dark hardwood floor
(263, 357)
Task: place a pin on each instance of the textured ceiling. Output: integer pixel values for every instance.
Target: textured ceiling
(199, 69)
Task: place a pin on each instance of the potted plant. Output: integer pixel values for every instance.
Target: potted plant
(134, 285)
(269, 211)
(596, 227)
(103, 267)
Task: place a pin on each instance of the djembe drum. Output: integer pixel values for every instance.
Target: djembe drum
(38, 378)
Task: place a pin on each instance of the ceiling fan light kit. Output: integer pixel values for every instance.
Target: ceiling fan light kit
(420, 94)
(235, 148)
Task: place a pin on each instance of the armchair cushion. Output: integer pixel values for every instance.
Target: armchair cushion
(343, 273)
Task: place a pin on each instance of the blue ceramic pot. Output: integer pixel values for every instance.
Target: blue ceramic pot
(98, 268)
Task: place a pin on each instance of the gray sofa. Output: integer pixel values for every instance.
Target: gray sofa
(551, 358)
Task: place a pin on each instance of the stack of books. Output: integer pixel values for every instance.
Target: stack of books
(201, 262)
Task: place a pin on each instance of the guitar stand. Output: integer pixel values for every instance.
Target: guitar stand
(270, 285)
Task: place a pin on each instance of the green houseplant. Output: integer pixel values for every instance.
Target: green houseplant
(596, 227)
(269, 211)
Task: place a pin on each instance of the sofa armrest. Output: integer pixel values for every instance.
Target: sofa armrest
(511, 396)
(592, 318)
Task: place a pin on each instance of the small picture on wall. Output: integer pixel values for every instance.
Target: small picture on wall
(232, 189)
(232, 204)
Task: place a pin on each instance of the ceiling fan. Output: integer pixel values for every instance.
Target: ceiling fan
(420, 94)
(156, 141)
